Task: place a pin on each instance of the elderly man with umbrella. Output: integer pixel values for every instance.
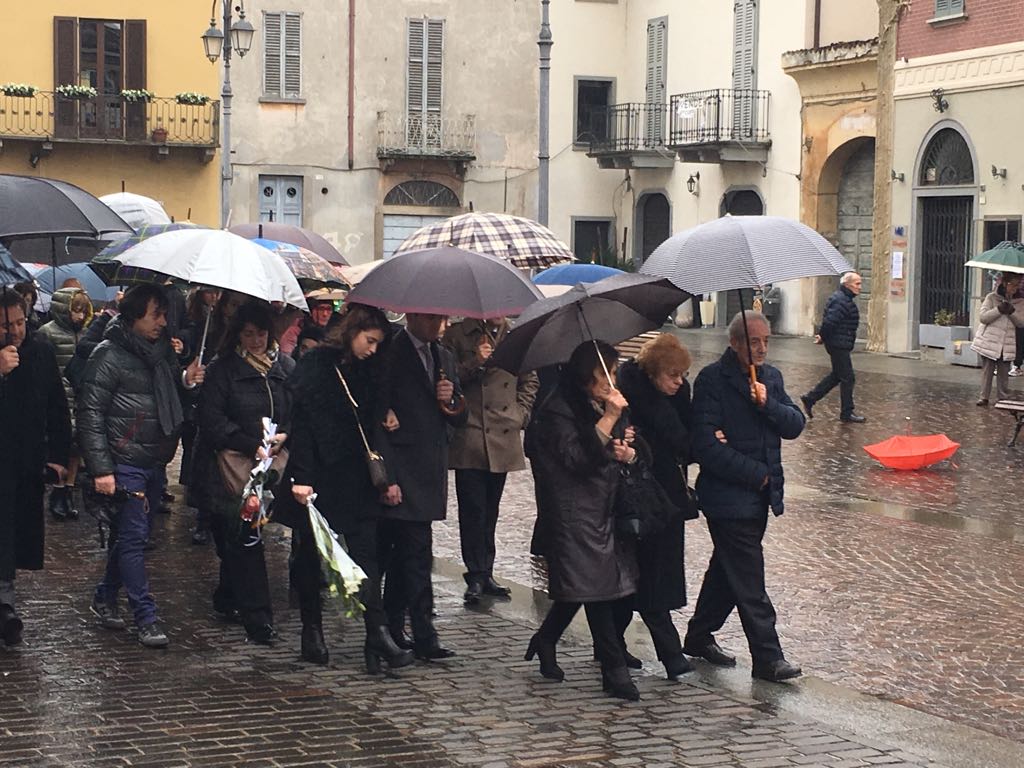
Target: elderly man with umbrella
(36, 440)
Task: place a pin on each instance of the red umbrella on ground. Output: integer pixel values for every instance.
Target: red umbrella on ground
(904, 452)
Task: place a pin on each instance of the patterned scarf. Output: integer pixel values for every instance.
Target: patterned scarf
(262, 363)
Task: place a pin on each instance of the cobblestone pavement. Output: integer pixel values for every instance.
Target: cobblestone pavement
(906, 586)
(77, 695)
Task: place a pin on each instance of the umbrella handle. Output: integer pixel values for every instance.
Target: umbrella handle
(206, 331)
(457, 404)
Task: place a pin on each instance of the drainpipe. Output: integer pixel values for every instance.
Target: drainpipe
(544, 42)
(817, 23)
(351, 81)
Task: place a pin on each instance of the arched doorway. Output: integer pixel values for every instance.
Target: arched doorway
(740, 202)
(855, 208)
(946, 188)
(411, 205)
(654, 223)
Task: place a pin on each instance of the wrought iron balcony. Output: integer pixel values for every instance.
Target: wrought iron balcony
(630, 136)
(403, 135)
(160, 122)
(720, 125)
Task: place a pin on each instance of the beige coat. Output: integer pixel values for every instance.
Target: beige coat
(996, 337)
(498, 404)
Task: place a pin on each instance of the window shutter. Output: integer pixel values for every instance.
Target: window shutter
(271, 54)
(135, 77)
(654, 123)
(65, 72)
(292, 64)
(435, 58)
(948, 8)
(744, 44)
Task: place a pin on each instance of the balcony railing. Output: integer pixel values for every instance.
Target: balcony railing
(630, 128)
(720, 116)
(107, 118)
(417, 135)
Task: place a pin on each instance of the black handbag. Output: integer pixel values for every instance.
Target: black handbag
(374, 461)
(642, 508)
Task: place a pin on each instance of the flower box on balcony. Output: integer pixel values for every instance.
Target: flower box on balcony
(75, 91)
(18, 89)
(190, 97)
(137, 94)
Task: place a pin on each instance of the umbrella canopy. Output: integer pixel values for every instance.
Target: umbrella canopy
(114, 272)
(50, 278)
(310, 270)
(907, 452)
(11, 271)
(137, 210)
(217, 258)
(355, 274)
(289, 233)
(743, 252)
(612, 310)
(571, 274)
(1008, 256)
(522, 242)
(33, 208)
(446, 281)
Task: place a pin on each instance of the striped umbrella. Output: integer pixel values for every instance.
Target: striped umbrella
(522, 242)
(310, 270)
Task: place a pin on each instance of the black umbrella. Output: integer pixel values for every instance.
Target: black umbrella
(11, 271)
(34, 209)
(612, 310)
(446, 281)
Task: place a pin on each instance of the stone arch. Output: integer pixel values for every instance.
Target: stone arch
(938, 134)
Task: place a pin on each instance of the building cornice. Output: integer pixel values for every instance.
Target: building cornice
(996, 66)
(830, 55)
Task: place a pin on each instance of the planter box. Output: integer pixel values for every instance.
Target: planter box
(960, 353)
(942, 336)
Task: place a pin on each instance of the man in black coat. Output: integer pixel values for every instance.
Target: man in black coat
(738, 433)
(838, 333)
(425, 400)
(36, 436)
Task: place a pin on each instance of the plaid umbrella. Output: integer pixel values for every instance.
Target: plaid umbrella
(114, 272)
(522, 242)
(310, 270)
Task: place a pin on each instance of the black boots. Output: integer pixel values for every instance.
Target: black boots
(62, 503)
(314, 649)
(548, 661)
(11, 625)
(380, 646)
(618, 684)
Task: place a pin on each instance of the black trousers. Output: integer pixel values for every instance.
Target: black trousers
(841, 374)
(243, 581)
(607, 620)
(361, 543)
(735, 579)
(406, 555)
(663, 634)
(479, 494)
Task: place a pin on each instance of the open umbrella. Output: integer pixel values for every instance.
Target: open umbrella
(114, 272)
(1008, 256)
(906, 452)
(35, 209)
(289, 233)
(216, 258)
(446, 281)
(137, 210)
(572, 274)
(50, 279)
(11, 271)
(522, 242)
(612, 310)
(310, 270)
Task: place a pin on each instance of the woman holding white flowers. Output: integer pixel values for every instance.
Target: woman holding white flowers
(335, 385)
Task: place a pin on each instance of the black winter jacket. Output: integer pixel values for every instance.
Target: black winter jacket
(840, 320)
(74, 371)
(732, 472)
(117, 411)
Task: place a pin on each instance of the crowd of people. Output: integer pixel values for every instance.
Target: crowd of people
(117, 393)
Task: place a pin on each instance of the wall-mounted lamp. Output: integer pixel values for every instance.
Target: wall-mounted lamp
(693, 183)
(941, 104)
(998, 173)
(898, 177)
(33, 159)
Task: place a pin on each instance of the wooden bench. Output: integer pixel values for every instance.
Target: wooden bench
(1015, 407)
(630, 347)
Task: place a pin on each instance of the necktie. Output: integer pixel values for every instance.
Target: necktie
(428, 362)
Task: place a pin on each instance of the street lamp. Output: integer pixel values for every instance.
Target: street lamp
(241, 33)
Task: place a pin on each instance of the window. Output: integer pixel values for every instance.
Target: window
(592, 240)
(282, 55)
(593, 97)
(947, 160)
(422, 193)
(424, 82)
(945, 8)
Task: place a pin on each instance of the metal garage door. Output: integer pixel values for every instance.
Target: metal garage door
(398, 226)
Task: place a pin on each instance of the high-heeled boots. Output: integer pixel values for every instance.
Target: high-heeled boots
(380, 646)
(548, 661)
(617, 683)
(314, 649)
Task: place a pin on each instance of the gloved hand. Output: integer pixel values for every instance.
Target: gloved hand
(1006, 307)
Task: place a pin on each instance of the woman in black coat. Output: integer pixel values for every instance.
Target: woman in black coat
(328, 457)
(575, 443)
(659, 407)
(245, 383)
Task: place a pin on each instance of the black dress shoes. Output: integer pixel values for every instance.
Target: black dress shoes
(775, 671)
(617, 683)
(853, 418)
(805, 401)
(711, 653)
(402, 640)
(677, 666)
(11, 625)
(474, 591)
(432, 650)
(261, 634)
(494, 589)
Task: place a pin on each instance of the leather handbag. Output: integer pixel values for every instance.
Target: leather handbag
(642, 508)
(374, 461)
(235, 468)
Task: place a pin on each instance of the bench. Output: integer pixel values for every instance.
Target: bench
(1015, 407)
(630, 347)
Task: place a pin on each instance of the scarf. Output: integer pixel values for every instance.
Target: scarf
(262, 363)
(157, 357)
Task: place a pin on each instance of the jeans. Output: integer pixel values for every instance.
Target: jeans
(841, 374)
(126, 564)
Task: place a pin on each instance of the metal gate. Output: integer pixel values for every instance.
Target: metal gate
(945, 247)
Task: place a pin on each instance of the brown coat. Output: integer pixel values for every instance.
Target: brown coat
(498, 405)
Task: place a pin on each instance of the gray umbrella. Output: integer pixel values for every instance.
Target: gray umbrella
(612, 310)
(446, 281)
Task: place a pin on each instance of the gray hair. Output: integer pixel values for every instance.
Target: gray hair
(848, 278)
(736, 326)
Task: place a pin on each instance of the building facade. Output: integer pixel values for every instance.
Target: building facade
(98, 100)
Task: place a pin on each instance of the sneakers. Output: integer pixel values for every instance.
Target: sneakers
(109, 615)
(152, 636)
(1016, 370)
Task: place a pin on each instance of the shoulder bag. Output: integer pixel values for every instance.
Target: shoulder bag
(374, 461)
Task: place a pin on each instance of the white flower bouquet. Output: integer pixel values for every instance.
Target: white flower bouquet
(344, 577)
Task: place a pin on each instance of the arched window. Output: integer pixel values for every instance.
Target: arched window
(947, 160)
(428, 194)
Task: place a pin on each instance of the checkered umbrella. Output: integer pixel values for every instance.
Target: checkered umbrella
(522, 242)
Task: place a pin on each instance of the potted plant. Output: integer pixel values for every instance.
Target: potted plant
(159, 134)
(75, 91)
(191, 97)
(943, 331)
(18, 89)
(136, 94)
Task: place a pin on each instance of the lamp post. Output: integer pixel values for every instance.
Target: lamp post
(238, 35)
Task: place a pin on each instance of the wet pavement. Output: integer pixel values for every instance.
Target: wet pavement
(902, 587)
